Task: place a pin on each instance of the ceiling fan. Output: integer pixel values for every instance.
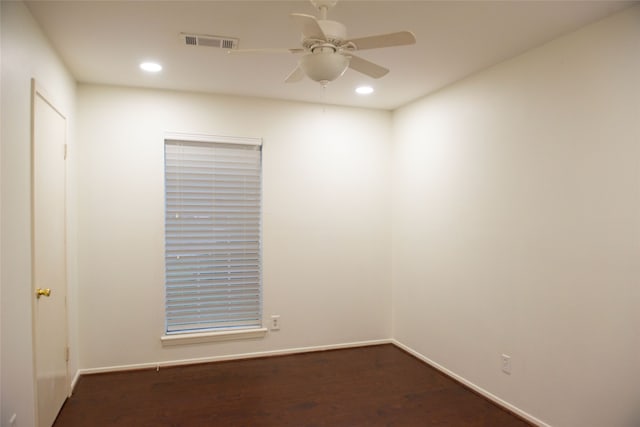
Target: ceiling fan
(327, 50)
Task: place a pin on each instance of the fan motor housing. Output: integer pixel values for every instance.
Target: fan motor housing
(335, 31)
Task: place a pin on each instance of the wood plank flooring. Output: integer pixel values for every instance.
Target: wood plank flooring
(368, 386)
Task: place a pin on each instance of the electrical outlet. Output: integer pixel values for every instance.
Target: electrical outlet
(275, 322)
(506, 364)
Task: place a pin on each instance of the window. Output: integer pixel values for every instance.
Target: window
(212, 235)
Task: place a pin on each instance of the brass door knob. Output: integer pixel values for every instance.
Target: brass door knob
(43, 292)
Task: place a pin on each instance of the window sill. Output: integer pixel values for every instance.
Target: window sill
(203, 337)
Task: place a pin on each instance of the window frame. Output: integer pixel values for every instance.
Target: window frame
(221, 333)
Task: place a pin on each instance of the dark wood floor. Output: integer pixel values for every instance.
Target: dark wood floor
(368, 386)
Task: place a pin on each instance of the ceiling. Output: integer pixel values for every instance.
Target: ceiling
(104, 41)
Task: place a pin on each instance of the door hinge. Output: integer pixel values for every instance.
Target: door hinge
(66, 354)
(65, 151)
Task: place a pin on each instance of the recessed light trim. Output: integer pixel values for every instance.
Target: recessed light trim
(364, 90)
(151, 67)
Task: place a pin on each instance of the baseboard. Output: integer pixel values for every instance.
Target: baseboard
(179, 362)
(525, 415)
(74, 381)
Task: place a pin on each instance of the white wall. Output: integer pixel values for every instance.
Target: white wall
(516, 227)
(326, 222)
(26, 54)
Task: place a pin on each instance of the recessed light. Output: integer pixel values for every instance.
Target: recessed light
(364, 90)
(151, 67)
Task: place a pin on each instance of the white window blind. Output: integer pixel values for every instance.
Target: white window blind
(212, 236)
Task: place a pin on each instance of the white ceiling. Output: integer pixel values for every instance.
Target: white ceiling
(104, 41)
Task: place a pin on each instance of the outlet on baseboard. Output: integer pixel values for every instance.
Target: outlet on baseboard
(275, 322)
(506, 364)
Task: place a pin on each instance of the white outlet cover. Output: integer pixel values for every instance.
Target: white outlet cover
(506, 364)
(275, 322)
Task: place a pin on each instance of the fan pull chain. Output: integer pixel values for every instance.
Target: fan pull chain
(323, 99)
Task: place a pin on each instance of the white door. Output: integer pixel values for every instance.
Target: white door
(49, 257)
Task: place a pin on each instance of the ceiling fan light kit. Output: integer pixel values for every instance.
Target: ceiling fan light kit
(327, 50)
(324, 67)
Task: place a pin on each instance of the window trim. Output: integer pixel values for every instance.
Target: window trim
(204, 337)
(235, 333)
(202, 137)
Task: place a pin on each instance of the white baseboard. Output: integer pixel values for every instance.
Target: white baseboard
(472, 386)
(239, 356)
(74, 381)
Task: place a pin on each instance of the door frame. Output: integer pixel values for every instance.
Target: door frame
(37, 91)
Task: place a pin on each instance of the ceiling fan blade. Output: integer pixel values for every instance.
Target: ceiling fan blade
(267, 50)
(367, 67)
(309, 26)
(295, 76)
(384, 40)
